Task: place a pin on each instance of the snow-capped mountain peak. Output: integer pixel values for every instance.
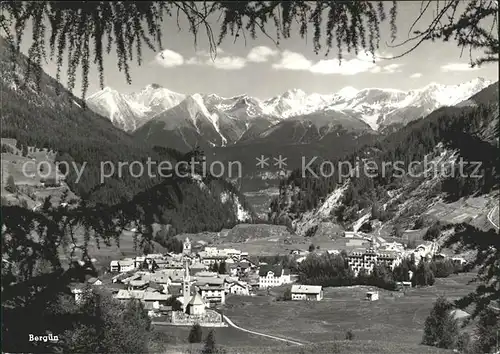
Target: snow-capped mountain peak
(105, 91)
(130, 111)
(294, 102)
(348, 92)
(293, 93)
(376, 106)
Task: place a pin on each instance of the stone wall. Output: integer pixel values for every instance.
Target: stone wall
(211, 318)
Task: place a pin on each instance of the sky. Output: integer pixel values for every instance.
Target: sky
(261, 69)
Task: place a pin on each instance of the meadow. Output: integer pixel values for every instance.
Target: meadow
(393, 324)
(344, 309)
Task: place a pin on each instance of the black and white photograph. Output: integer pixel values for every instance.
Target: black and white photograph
(250, 177)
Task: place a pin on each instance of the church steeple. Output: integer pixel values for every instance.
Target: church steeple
(186, 284)
(186, 247)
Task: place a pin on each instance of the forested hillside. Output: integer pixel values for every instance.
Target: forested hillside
(470, 126)
(48, 116)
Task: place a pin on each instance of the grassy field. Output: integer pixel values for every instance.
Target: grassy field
(336, 347)
(226, 336)
(396, 319)
(473, 210)
(394, 324)
(238, 342)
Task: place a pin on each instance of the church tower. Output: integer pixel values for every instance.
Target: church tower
(186, 247)
(186, 284)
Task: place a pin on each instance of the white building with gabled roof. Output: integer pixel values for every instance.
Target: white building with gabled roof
(196, 306)
(307, 292)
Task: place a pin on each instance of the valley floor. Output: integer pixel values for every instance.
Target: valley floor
(394, 324)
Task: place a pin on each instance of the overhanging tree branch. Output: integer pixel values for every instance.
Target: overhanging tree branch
(79, 28)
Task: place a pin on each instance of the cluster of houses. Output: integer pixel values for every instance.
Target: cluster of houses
(188, 286)
(180, 275)
(381, 252)
(392, 254)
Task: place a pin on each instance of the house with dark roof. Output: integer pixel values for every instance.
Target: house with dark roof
(94, 281)
(139, 284)
(239, 288)
(126, 295)
(253, 263)
(196, 268)
(211, 289)
(158, 277)
(271, 276)
(156, 298)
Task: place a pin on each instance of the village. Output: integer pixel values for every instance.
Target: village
(191, 287)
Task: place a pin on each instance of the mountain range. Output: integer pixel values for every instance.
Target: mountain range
(157, 114)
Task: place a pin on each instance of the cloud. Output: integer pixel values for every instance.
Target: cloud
(194, 61)
(292, 61)
(169, 59)
(227, 63)
(261, 54)
(224, 62)
(363, 62)
(207, 54)
(457, 67)
(415, 75)
(392, 68)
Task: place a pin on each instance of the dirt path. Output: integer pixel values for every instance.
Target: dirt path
(231, 323)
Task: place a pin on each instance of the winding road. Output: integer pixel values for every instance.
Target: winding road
(490, 217)
(231, 323)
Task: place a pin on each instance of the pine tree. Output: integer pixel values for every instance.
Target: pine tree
(349, 335)
(209, 347)
(11, 185)
(419, 223)
(397, 231)
(287, 294)
(147, 248)
(423, 275)
(214, 267)
(375, 211)
(464, 344)
(401, 271)
(433, 232)
(441, 329)
(487, 331)
(195, 334)
(222, 268)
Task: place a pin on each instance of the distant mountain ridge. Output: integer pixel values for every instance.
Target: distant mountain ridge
(211, 120)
